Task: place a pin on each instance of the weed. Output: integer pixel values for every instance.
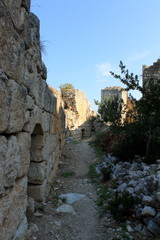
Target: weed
(97, 148)
(55, 201)
(106, 173)
(122, 205)
(68, 174)
(92, 172)
(41, 208)
(64, 200)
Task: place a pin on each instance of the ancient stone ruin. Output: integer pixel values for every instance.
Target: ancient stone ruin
(115, 91)
(78, 113)
(121, 93)
(32, 121)
(151, 72)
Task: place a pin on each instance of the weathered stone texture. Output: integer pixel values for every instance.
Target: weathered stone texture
(32, 122)
(78, 113)
(151, 72)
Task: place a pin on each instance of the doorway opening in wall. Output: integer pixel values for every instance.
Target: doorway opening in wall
(35, 172)
(83, 133)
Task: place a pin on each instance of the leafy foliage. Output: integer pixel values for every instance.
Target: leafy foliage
(122, 205)
(66, 86)
(140, 131)
(110, 109)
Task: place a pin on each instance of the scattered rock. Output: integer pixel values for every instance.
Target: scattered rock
(71, 197)
(66, 208)
(148, 211)
(153, 228)
(38, 214)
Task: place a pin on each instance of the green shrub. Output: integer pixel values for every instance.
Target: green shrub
(122, 205)
(66, 86)
(106, 173)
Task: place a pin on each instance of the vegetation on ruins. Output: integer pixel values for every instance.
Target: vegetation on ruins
(66, 86)
(139, 133)
(110, 109)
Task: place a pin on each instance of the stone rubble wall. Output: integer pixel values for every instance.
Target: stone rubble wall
(121, 93)
(115, 91)
(151, 72)
(78, 113)
(32, 121)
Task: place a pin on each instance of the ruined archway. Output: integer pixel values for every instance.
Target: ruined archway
(36, 172)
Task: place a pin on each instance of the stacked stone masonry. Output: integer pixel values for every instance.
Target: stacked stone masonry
(151, 72)
(78, 113)
(32, 121)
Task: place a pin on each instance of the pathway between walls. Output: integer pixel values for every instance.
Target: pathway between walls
(75, 216)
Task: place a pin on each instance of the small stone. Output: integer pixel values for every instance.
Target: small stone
(129, 228)
(34, 228)
(58, 223)
(139, 227)
(66, 208)
(145, 232)
(153, 228)
(71, 197)
(158, 196)
(147, 200)
(157, 218)
(148, 211)
(122, 187)
(38, 214)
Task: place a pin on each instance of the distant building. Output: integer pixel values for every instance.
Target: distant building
(115, 91)
(151, 72)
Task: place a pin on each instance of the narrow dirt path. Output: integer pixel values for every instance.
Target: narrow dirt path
(83, 222)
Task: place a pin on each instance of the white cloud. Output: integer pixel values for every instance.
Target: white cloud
(104, 69)
(136, 56)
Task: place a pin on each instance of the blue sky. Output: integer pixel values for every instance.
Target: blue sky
(85, 39)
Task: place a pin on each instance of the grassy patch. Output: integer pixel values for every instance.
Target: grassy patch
(121, 205)
(97, 149)
(68, 174)
(92, 172)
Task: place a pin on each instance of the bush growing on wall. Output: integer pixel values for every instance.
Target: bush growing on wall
(66, 86)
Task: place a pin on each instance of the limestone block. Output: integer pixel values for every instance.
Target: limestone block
(36, 173)
(4, 102)
(24, 143)
(53, 125)
(30, 205)
(3, 150)
(37, 192)
(37, 148)
(46, 121)
(30, 102)
(50, 145)
(12, 161)
(50, 167)
(12, 209)
(50, 101)
(36, 116)
(17, 107)
(11, 45)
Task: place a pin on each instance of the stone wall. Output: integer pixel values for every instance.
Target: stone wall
(121, 93)
(31, 123)
(78, 113)
(151, 72)
(115, 91)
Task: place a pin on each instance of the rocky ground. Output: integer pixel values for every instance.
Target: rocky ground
(76, 218)
(71, 211)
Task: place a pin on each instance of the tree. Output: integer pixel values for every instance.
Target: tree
(66, 86)
(110, 109)
(145, 114)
